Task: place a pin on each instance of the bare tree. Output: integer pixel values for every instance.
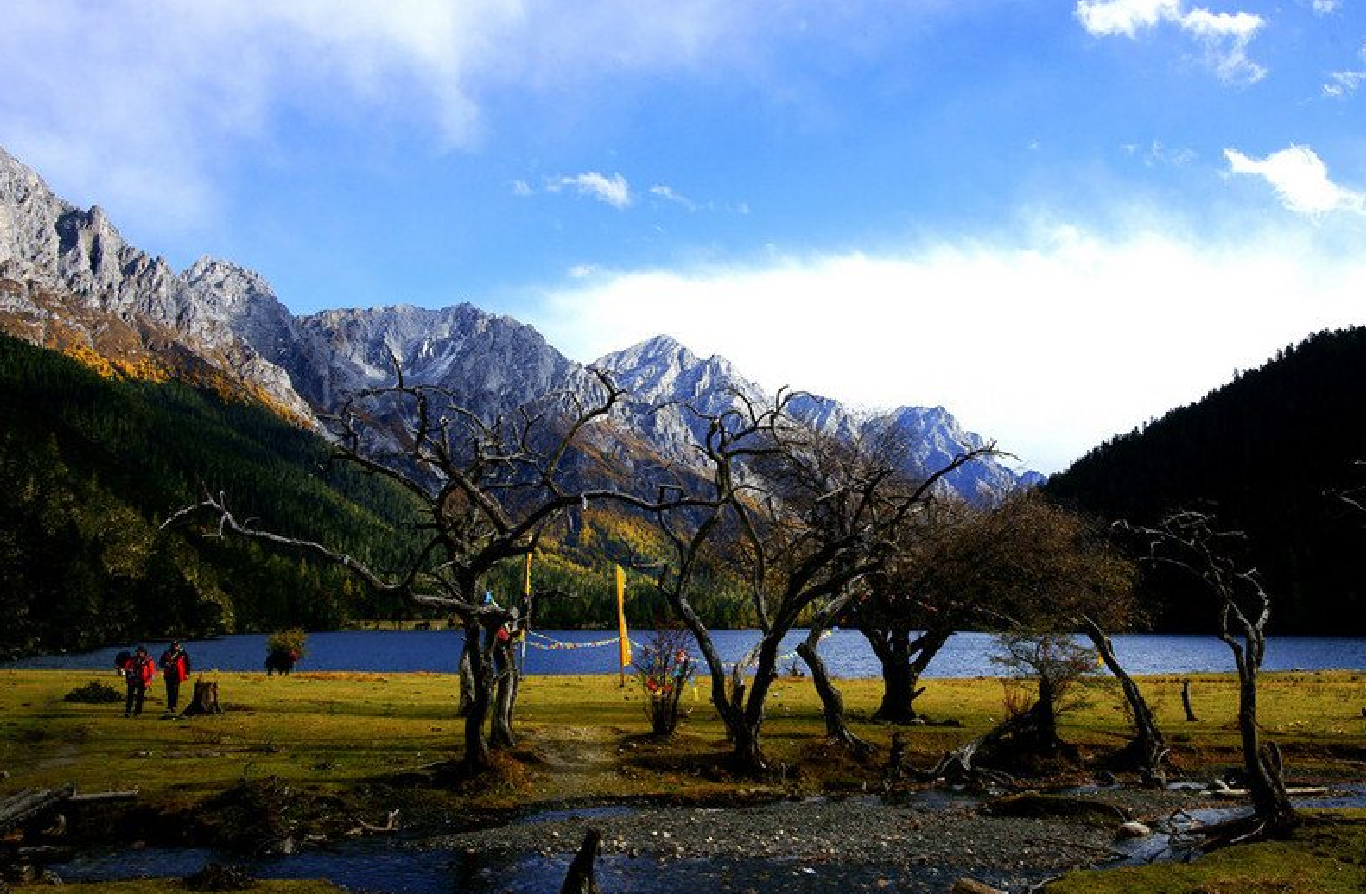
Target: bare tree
(1191, 541)
(804, 518)
(483, 490)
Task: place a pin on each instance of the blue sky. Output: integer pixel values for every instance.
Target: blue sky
(1057, 219)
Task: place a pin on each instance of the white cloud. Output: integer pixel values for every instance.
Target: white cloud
(137, 102)
(1343, 83)
(1127, 17)
(1324, 7)
(1157, 154)
(613, 190)
(669, 194)
(1224, 36)
(1050, 344)
(1301, 180)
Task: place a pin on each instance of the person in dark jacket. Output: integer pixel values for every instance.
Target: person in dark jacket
(139, 672)
(175, 669)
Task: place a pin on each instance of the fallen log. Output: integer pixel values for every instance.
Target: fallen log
(91, 797)
(1302, 792)
(29, 804)
(390, 825)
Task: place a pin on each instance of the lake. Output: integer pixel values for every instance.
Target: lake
(846, 653)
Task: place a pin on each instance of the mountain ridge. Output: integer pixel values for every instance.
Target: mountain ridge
(69, 281)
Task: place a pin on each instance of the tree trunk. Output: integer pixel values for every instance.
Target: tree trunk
(903, 660)
(1266, 782)
(748, 755)
(1186, 701)
(481, 698)
(832, 703)
(466, 679)
(730, 705)
(500, 732)
(1148, 748)
(1043, 719)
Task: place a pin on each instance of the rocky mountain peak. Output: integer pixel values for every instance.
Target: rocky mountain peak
(228, 318)
(662, 370)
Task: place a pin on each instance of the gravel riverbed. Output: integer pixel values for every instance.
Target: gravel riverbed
(856, 843)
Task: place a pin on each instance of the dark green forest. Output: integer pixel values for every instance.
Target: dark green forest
(1269, 453)
(90, 467)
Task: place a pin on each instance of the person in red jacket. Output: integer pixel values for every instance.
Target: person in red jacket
(175, 669)
(139, 672)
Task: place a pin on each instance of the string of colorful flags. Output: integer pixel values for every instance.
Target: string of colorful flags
(622, 640)
(541, 641)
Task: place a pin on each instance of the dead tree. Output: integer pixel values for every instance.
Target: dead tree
(485, 490)
(1148, 749)
(1191, 541)
(804, 518)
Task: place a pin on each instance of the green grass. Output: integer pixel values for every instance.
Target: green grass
(1326, 856)
(585, 737)
(339, 729)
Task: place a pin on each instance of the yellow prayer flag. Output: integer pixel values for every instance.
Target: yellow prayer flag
(526, 576)
(623, 642)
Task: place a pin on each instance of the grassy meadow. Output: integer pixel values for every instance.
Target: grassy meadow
(585, 737)
(340, 729)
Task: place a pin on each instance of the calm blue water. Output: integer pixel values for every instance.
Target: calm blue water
(845, 651)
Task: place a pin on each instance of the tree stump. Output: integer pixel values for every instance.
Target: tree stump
(896, 761)
(581, 878)
(1186, 701)
(205, 699)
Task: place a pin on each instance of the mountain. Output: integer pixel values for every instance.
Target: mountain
(664, 374)
(491, 363)
(203, 378)
(1269, 453)
(69, 281)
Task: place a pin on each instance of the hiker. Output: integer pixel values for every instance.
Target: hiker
(139, 672)
(175, 669)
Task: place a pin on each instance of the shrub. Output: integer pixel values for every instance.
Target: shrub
(94, 693)
(664, 666)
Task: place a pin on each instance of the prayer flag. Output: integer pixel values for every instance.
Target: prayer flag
(624, 643)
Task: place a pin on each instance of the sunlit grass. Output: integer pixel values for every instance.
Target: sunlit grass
(337, 729)
(1326, 856)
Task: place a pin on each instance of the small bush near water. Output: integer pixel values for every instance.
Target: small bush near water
(217, 877)
(94, 693)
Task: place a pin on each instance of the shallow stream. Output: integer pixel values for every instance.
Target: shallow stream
(418, 866)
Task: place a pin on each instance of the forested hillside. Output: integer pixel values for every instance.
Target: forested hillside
(90, 466)
(1270, 452)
